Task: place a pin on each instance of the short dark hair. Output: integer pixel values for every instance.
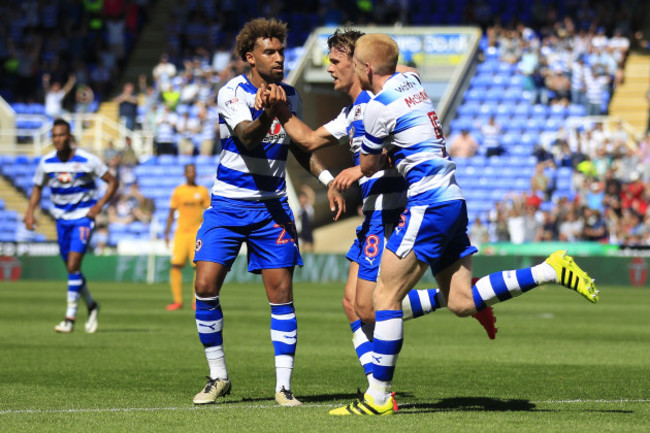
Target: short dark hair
(344, 40)
(259, 28)
(59, 121)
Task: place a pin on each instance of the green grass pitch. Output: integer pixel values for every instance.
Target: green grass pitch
(559, 364)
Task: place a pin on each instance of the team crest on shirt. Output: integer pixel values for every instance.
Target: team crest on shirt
(64, 177)
(351, 134)
(275, 132)
(197, 195)
(357, 113)
(199, 244)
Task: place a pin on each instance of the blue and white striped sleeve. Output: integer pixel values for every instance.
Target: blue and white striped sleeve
(376, 122)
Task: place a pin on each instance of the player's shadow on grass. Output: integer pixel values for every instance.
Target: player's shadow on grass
(472, 404)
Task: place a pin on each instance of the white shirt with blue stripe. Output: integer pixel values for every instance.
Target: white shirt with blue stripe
(402, 119)
(72, 183)
(386, 189)
(258, 173)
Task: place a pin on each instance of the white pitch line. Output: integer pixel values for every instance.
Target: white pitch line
(259, 406)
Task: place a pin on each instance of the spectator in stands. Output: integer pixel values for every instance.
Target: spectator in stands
(187, 128)
(84, 97)
(54, 94)
(549, 228)
(595, 227)
(164, 71)
(306, 199)
(596, 84)
(492, 138)
(540, 183)
(110, 153)
(165, 135)
(209, 135)
(559, 84)
(128, 159)
(478, 233)
(571, 228)
(128, 105)
(131, 206)
(634, 196)
(463, 145)
(644, 156)
(578, 86)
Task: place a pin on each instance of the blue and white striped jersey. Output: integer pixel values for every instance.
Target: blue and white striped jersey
(386, 189)
(259, 173)
(72, 183)
(401, 118)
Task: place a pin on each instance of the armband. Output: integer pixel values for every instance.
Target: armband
(325, 177)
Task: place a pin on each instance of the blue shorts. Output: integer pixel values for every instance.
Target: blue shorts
(267, 228)
(437, 234)
(73, 235)
(369, 245)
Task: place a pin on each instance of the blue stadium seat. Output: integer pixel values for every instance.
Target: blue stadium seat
(523, 110)
(489, 66)
(493, 94)
(185, 159)
(517, 82)
(468, 109)
(474, 95)
(20, 108)
(577, 110)
(552, 124)
(488, 108)
(167, 160)
(35, 108)
(529, 140)
(513, 95)
(539, 109)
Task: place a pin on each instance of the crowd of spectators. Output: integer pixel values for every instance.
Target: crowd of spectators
(611, 180)
(53, 42)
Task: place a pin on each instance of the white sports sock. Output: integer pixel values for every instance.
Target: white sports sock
(217, 362)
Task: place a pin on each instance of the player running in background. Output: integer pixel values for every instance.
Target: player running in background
(249, 205)
(71, 175)
(190, 200)
(384, 198)
(401, 120)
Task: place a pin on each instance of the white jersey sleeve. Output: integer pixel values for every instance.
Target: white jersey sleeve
(338, 127)
(232, 105)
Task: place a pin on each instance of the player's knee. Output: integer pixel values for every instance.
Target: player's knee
(205, 288)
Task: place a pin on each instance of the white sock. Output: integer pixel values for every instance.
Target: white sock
(217, 362)
(283, 371)
(544, 273)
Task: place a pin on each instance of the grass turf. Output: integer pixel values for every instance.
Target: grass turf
(558, 364)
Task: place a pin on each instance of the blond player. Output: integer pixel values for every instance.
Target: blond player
(189, 200)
